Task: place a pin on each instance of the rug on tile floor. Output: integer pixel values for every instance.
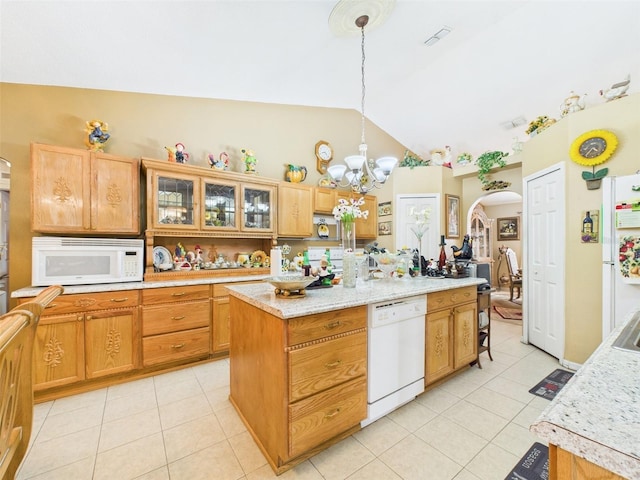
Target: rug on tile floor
(509, 313)
(533, 466)
(552, 384)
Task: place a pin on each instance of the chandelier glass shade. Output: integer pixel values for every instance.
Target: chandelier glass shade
(357, 173)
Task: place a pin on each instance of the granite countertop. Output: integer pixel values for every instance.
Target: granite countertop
(114, 287)
(337, 297)
(596, 416)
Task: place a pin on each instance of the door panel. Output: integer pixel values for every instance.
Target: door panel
(544, 267)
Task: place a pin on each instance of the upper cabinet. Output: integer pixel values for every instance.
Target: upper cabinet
(365, 227)
(78, 191)
(295, 210)
(186, 199)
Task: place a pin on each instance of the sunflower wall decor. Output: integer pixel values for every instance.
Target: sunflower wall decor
(593, 148)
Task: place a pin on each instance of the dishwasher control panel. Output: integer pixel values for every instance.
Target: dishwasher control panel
(384, 313)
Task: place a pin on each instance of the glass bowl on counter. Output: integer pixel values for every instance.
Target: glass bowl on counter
(387, 262)
(287, 285)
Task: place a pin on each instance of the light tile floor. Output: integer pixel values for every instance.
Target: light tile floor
(180, 425)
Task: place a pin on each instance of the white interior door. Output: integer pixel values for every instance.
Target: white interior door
(404, 236)
(543, 273)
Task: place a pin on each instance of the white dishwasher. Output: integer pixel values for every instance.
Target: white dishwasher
(395, 355)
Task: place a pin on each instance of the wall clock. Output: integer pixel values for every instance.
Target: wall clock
(324, 154)
(593, 147)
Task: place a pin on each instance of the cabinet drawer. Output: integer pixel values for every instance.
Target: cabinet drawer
(84, 302)
(175, 294)
(447, 298)
(321, 417)
(175, 317)
(323, 365)
(314, 327)
(171, 347)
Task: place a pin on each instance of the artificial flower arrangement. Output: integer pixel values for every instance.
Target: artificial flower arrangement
(538, 123)
(422, 220)
(412, 160)
(348, 211)
(464, 158)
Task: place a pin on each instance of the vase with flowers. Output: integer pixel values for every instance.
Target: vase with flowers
(419, 228)
(346, 212)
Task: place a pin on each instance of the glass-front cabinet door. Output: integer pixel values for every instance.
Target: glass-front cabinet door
(257, 208)
(220, 205)
(175, 200)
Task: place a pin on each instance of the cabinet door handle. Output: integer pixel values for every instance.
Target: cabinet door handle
(177, 294)
(333, 364)
(332, 325)
(331, 415)
(177, 345)
(120, 300)
(177, 318)
(89, 317)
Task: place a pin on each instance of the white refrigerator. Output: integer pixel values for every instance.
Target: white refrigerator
(620, 250)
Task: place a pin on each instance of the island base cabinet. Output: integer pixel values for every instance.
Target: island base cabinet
(299, 384)
(316, 419)
(566, 465)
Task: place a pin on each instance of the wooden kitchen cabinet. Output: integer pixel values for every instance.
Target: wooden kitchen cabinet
(78, 191)
(58, 351)
(324, 200)
(451, 332)
(564, 464)
(365, 228)
(308, 372)
(295, 210)
(175, 324)
(202, 202)
(86, 336)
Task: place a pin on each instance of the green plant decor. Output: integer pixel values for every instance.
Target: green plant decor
(487, 161)
(412, 160)
(593, 178)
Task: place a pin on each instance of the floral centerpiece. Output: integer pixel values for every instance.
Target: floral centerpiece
(346, 213)
(420, 227)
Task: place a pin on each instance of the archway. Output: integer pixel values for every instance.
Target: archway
(483, 214)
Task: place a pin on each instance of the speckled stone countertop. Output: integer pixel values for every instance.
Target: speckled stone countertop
(596, 416)
(114, 287)
(320, 300)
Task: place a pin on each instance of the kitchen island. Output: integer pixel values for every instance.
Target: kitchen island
(593, 424)
(298, 365)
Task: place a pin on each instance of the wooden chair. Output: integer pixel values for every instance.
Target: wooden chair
(17, 333)
(515, 273)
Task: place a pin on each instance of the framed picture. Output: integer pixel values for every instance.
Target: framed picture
(508, 228)
(452, 215)
(384, 209)
(384, 228)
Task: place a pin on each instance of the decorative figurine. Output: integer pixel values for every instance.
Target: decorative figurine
(97, 135)
(295, 173)
(465, 252)
(249, 160)
(181, 155)
(616, 90)
(222, 163)
(172, 154)
(573, 103)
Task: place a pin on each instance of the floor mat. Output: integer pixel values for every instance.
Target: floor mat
(534, 465)
(552, 384)
(509, 313)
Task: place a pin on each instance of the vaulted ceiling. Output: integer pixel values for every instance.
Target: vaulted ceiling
(503, 60)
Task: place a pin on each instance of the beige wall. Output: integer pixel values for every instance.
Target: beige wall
(142, 125)
(583, 285)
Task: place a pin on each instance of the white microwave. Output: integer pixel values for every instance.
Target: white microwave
(85, 261)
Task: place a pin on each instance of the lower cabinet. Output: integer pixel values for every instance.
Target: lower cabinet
(309, 373)
(451, 332)
(93, 341)
(175, 324)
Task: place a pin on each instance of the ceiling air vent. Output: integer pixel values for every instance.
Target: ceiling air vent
(516, 122)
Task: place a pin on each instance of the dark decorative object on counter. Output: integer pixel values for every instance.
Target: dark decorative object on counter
(465, 252)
